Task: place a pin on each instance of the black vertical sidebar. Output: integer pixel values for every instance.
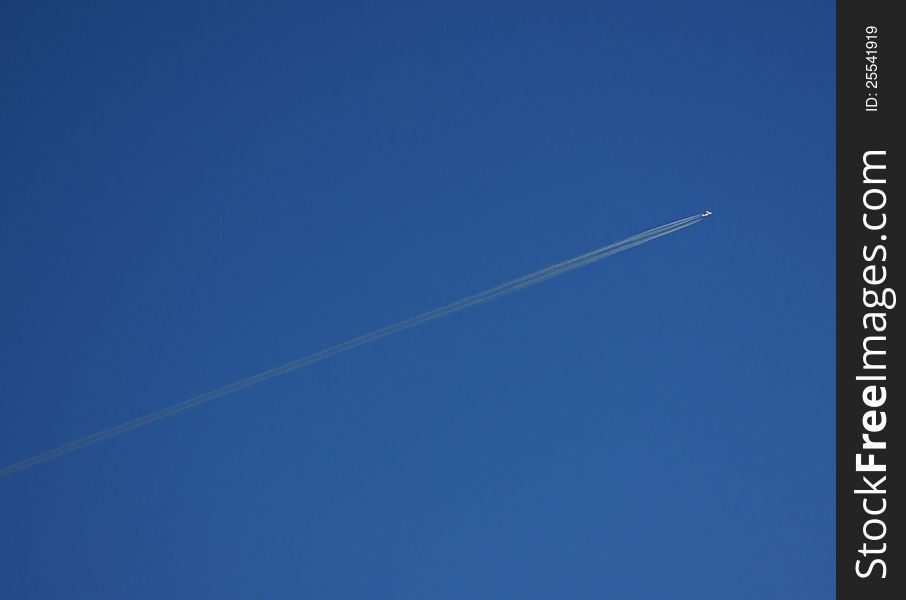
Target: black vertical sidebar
(870, 373)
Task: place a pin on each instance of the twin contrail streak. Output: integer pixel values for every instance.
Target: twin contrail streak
(488, 295)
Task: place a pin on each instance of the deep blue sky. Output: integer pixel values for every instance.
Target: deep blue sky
(192, 193)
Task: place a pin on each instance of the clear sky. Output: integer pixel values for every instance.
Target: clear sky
(192, 193)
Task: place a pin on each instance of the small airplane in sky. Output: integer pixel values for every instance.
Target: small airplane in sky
(707, 213)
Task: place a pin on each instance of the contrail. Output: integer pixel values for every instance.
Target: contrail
(488, 295)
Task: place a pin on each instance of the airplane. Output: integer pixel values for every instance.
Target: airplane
(707, 213)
